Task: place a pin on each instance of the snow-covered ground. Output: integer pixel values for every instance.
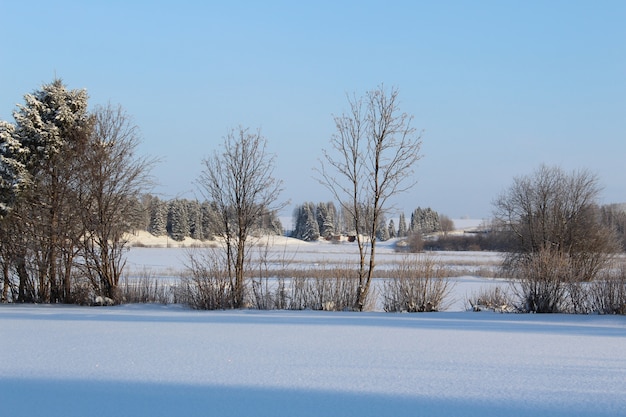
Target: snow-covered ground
(153, 360)
(147, 360)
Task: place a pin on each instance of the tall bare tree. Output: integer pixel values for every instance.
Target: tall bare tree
(372, 158)
(239, 180)
(113, 177)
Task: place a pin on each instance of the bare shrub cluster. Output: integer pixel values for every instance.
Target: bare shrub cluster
(206, 285)
(330, 289)
(608, 294)
(145, 288)
(419, 284)
(548, 282)
(493, 299)
(542, 279)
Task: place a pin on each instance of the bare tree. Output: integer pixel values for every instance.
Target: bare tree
(372, 156)
(113, 176)
(446, 224)
(559, 237)
(239, 180)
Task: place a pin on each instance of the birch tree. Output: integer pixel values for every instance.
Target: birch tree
(113, 176)
(238, 179)
(371, 159)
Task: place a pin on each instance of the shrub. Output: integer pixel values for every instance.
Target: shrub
(333, 289)
(145, 288)
(541, 281)
(608, 294)
(493, 299)
(418, 284)
(206, 284)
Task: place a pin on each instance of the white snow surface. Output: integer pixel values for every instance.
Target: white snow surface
(153, 360)
(149, 360)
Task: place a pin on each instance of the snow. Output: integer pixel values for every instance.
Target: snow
(164, 360)
(154, 360)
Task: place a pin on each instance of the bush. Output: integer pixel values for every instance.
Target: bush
(541, 281)
(493, 299)
(608, 295)
(418, 284)
(333, 289)
(145, 288)
(414, 243)
(206, 284)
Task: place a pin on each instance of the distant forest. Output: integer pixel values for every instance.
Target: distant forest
(181, 218)
(324, 220)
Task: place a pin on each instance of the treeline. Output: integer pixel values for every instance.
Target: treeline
(181, 218)
(428, 230)
(499, 237)
(324, 220)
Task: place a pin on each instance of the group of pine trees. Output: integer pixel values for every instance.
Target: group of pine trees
(323, 220)
(181, 218)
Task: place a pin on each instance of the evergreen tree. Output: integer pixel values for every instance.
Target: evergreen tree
(336, 218)
(325, 220)
(306, 227)
(276, 227)
(268, 224)
(53, 128)
(402, 231)
(177, 220)
(12, 171)
(424, 221)
(382, 233)
(311, 229)
(158, 217)
(210, 221)
(392, 229)
(194, 216)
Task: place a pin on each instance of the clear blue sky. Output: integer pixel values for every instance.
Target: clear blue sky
(498, 87)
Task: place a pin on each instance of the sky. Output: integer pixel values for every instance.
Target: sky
(496, 87)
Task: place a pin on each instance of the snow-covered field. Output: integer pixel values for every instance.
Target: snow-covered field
(153, 360)
(143, 360)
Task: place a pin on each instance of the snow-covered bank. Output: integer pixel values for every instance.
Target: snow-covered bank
(159, 361)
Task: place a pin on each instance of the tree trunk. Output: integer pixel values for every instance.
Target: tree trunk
(6, 281)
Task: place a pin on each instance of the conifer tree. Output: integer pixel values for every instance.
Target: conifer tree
(210, 221)
(382, 233)
(53, 128)
(402, 230)
(424, 221)
(177, 220)
(158, 217)
(13, 174)
(194, 216)
(325, 220)
(311, 230)
(392, 229)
